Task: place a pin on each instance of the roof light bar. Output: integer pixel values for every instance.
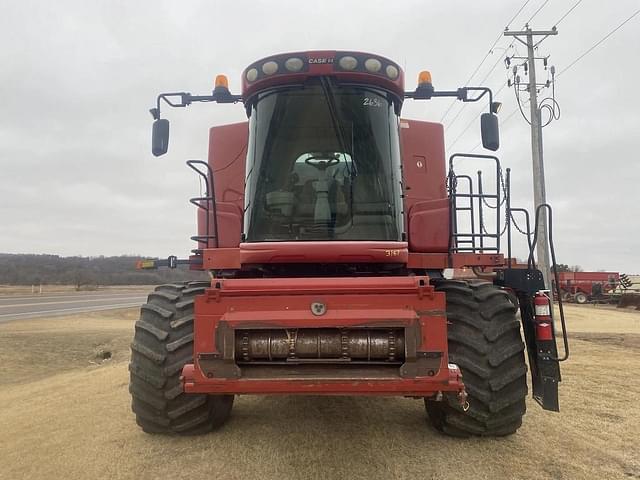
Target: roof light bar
(294, 64)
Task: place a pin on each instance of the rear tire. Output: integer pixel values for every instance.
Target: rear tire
(162, 345)
(580, 298)
(485, 342)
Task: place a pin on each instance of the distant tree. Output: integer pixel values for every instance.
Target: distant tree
(576, 268)
(563, 267)
(21, 269)
(83, 277)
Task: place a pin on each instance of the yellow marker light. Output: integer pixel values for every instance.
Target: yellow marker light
(221, 81)
(424, 77)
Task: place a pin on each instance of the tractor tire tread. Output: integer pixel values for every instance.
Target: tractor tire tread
(162, 345)
(485, 342)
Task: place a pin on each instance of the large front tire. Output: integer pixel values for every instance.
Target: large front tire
(485, 342)
(162, 345)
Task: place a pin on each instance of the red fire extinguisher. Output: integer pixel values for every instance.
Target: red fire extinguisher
(542, 305)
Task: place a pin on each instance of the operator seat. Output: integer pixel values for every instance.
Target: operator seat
(366, 199)
(306, 201)
(372, 217)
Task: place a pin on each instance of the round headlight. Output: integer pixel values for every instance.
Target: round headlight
(294, 64)
(373, 65)
(392, 72)
(251, 74)
(269, 68)
(348, 63)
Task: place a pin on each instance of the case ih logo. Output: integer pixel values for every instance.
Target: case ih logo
(321, 60)
(318, 308)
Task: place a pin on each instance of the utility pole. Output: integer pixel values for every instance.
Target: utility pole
(527, 37)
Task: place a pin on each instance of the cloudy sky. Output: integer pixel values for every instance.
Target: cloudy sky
(77, 79)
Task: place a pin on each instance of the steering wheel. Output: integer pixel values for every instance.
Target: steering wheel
(323, 162)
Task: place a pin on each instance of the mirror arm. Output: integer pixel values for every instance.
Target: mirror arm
(185, 99)
(483, 91)
(460, 94)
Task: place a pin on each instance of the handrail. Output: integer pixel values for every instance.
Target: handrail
(210, 196)
(477, 240)
(539, 208)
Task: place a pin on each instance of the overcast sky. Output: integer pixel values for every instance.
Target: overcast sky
(77, 79)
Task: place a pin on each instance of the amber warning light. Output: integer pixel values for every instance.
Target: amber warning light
(424, 77)
(222, 81)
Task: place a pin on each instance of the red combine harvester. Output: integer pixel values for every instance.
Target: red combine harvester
(326, 226)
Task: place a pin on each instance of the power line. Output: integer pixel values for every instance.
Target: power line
(575, 61)
(489, 52)
(506, 119)
(498, 62)
(484, 79)
(568, 12)
(515, 89)
(468, 126)
(537, 11)
(517, 13)
(598, 43)
(519, 107)
(500, 59)
(481, 82)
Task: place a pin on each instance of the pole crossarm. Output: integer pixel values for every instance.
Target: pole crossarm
(535, 33)
(532, 33)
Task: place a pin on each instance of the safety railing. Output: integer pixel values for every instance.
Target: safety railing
(206, 203)
(474, 235)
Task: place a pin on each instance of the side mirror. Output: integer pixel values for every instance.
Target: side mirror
(490, 131)
(160, 137)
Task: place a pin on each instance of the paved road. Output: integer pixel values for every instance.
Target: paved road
(16, 307)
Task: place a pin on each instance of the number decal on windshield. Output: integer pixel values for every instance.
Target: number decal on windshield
(372, 102)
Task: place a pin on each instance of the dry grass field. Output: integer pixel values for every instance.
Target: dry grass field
(64, 413)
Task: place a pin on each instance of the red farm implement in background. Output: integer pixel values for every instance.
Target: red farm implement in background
(598, 287)
(581, 287)
(326, 225)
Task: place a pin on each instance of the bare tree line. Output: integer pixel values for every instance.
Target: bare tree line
(31, 269)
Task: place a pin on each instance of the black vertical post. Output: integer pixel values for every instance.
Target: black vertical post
(508, 207)
(481, 221)
(215, 210)
(498, 217)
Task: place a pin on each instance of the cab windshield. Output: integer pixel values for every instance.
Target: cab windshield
(323, 164)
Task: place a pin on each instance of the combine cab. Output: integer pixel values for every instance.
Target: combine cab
(326, 226)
